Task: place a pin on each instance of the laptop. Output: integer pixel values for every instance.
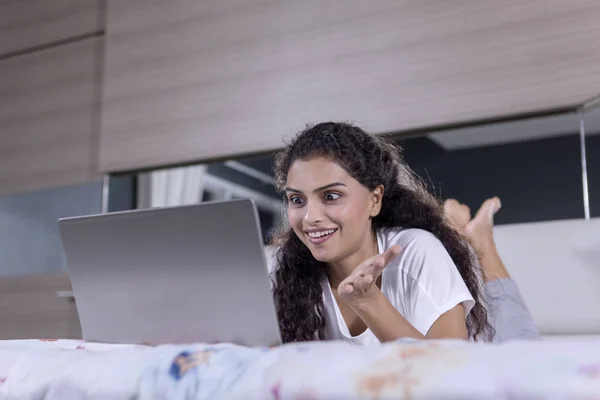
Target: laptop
(172, 275)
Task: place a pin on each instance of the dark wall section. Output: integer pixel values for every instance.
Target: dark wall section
(122, 192)
(536, 180)
(30, 240)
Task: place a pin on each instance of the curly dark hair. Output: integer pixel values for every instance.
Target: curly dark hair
(406, 203)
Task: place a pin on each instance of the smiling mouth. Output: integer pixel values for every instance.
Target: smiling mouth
(317, 237)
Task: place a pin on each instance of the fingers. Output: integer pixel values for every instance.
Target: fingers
(390, 254)
(376, 265)
(363, 277)
(345, 288)
(372, 268)
(359, 283)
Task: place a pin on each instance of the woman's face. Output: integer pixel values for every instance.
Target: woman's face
(328, 209)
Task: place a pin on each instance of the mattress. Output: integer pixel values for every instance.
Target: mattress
(568, 368)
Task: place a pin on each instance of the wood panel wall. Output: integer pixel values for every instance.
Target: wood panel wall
(50, 55)
(30, 308)
(46, 126)
(188, 80)
(26, 24)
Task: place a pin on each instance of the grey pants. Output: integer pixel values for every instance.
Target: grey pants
(507, 312)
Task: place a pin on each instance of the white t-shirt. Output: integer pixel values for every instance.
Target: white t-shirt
(422, 283)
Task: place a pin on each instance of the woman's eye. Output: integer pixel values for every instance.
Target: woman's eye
(295, 200)
(331, 196)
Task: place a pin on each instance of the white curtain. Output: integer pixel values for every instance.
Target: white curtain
(171, 187)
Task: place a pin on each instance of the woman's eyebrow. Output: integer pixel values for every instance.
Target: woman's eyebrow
(334, 184)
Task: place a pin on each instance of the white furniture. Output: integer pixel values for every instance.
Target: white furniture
(557, 267)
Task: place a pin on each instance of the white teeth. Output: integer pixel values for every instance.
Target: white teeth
(320, 233)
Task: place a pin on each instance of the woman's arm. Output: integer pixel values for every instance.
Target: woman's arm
(387, 324)
(436, 303)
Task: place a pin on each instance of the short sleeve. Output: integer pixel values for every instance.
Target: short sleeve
(429, 279)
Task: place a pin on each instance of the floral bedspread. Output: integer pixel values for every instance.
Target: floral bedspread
(66, 369)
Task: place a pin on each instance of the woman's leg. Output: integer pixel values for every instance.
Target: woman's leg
(479, 231)
(506, 308)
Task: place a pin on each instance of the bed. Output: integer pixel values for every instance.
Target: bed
(73, 369)
(557, 367)
(56, 368)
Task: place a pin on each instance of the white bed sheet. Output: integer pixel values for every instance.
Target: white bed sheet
(66, 369)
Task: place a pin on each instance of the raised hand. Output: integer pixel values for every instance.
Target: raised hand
(361, 283)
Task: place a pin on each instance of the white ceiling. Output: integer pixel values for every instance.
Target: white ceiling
(515, 131)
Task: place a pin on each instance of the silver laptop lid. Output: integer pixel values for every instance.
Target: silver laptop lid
(172, 275)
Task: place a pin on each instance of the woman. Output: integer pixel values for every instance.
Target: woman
(368, 256)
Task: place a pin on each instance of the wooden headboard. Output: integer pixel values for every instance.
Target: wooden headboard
(31, 307)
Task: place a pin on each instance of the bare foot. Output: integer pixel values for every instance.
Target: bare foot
(479, 231)
(458, 214)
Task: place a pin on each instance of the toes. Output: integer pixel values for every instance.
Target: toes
(466, 210)
(497, 204)
(457, 214)
(450, 205)
(481, 227)
(489, 208)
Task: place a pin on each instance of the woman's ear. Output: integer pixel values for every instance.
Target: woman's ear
(376, 196)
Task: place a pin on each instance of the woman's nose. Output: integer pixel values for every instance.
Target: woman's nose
(314, 213)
